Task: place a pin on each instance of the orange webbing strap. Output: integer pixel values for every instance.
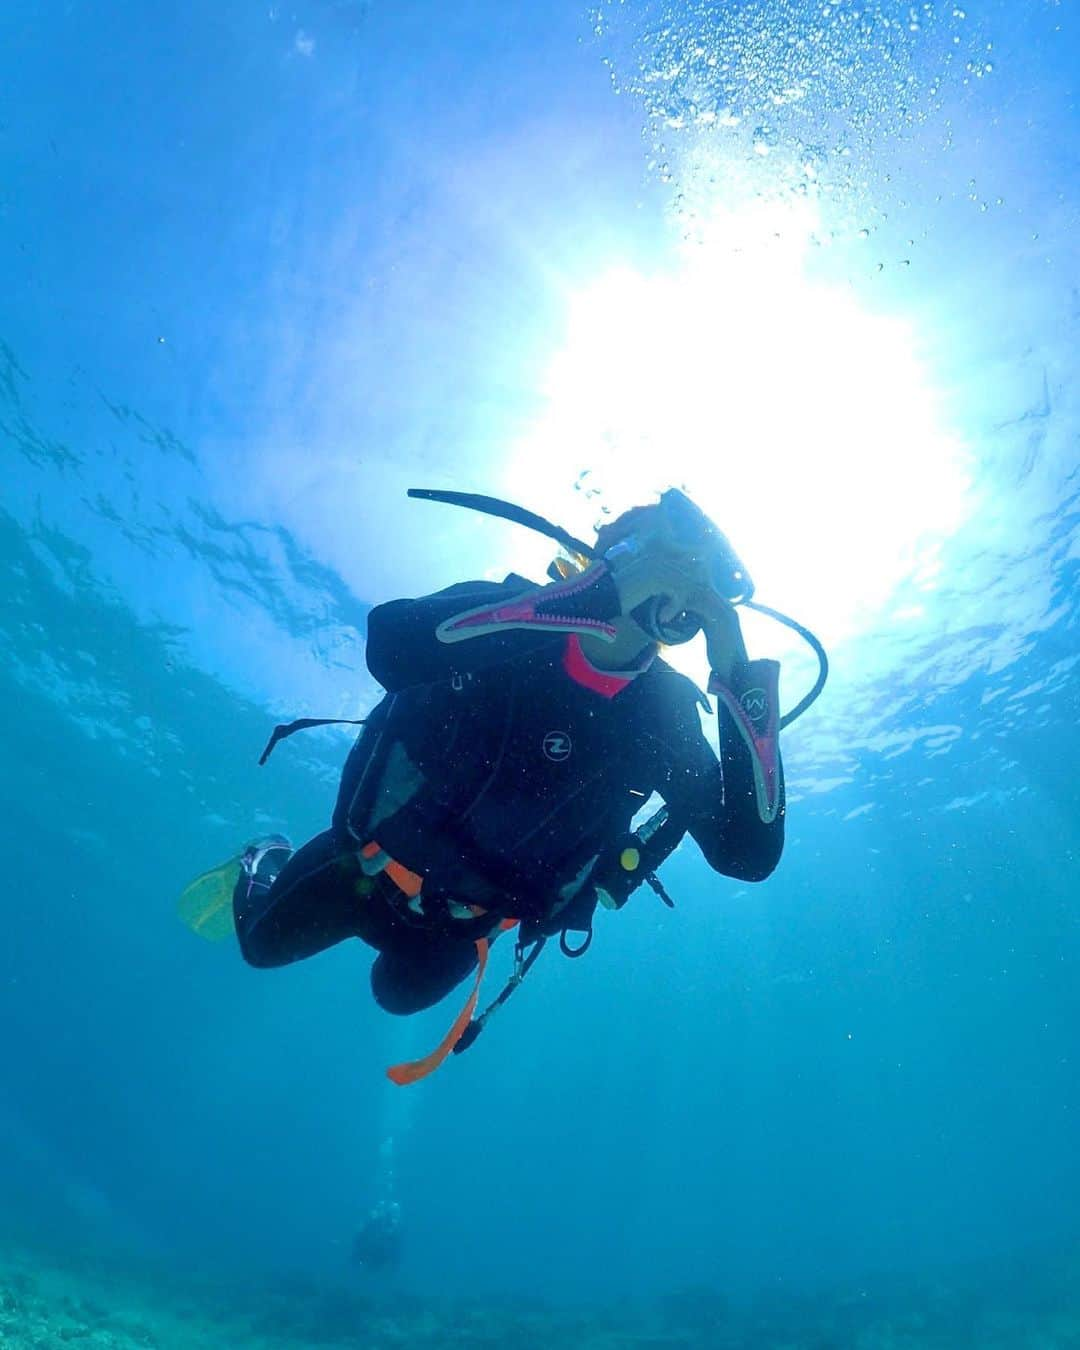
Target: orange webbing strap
(414, 1070)
(409, 883)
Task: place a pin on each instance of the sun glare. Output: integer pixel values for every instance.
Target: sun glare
(802, 422)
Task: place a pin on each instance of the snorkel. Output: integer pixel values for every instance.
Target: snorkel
(683, 522)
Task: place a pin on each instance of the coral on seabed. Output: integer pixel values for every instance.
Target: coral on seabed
(47, 1303)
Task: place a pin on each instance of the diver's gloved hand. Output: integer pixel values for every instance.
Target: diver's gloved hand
(723, 636)
(644, 569)
(672, 596)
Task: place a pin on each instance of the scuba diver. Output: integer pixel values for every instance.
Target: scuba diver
(523, 728)
(377, 1245)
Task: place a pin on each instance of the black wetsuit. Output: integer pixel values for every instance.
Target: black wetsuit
(529, 774)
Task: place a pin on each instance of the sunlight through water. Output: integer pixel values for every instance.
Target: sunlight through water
(805, 423)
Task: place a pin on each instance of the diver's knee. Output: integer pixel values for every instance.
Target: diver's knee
(399, 1002)
(392, 990)
(258, 952)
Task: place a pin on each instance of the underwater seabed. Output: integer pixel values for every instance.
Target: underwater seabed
(48, 1301)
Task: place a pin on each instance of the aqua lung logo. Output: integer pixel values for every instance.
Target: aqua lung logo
(755, 704)
(557, 745)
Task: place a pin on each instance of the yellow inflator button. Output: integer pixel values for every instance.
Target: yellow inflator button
(630, 858)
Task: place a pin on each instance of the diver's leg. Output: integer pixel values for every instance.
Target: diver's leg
(287, 907)
(417, 969)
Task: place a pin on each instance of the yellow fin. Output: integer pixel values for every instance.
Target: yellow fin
(205, 904)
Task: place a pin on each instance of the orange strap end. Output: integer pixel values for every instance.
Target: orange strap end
(414, 1070)
(409, 883)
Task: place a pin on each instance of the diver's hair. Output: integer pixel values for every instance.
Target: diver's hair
(614, 531)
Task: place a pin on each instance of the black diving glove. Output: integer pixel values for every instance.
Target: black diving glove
(751, 697)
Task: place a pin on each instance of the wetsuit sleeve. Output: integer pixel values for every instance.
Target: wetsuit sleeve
(404, 646)
(716, 799)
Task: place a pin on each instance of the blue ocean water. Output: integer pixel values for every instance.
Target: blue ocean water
(267, 266)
